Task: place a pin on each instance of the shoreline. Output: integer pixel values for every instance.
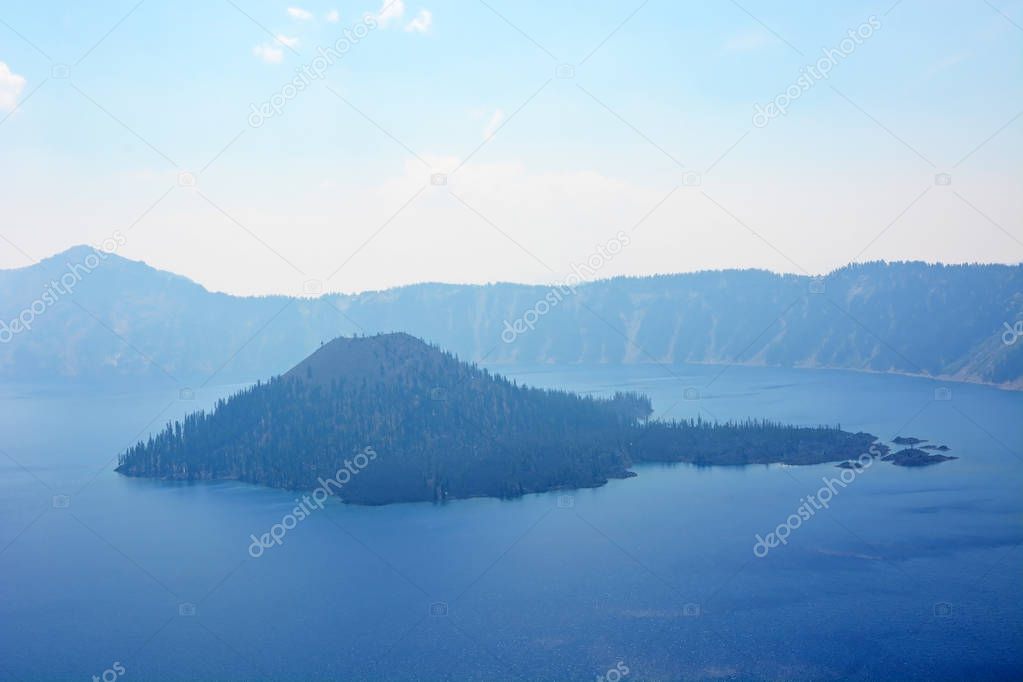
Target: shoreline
(1011, 387)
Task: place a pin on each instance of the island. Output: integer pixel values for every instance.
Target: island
(907, 440)
(915, 457)
(390, 418)
(850, 464)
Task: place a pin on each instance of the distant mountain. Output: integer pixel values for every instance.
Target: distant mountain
(125, 319)
(391, 419)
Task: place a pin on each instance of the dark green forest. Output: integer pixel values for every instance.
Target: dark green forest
(445, 429)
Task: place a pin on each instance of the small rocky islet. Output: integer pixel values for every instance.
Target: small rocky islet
(911, 456)
(915, 457)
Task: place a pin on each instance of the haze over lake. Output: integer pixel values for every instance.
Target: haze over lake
(909, 574)
(539, 340)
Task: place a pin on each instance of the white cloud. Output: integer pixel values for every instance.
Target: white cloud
(299, 13)
(422, 22)
(747, 41)
(269, 53)
(493, 124)
(947, 63)
(390, 11)
(11, 85)
(333, 16)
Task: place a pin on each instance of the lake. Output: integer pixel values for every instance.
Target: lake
(908, 574)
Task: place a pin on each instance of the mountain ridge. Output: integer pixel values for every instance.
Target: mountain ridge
(133, 320)
(84, 249)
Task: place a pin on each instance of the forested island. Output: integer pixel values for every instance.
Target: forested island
(442, 429)
(915, 457)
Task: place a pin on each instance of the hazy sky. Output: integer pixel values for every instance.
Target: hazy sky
(557, 124)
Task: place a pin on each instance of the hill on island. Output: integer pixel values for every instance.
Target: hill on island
(438, 428)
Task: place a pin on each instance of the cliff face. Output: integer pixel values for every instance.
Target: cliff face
(125, 319)
(904, 317)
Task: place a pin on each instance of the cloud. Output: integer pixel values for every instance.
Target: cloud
(493, 124)
(11, 85)
(269, 53)
(390, 11)
(947, 63)
(422, 22)
(333, 16)
(299, 13)
(748, 40)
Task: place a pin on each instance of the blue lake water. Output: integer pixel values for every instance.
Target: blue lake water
(909, 574)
